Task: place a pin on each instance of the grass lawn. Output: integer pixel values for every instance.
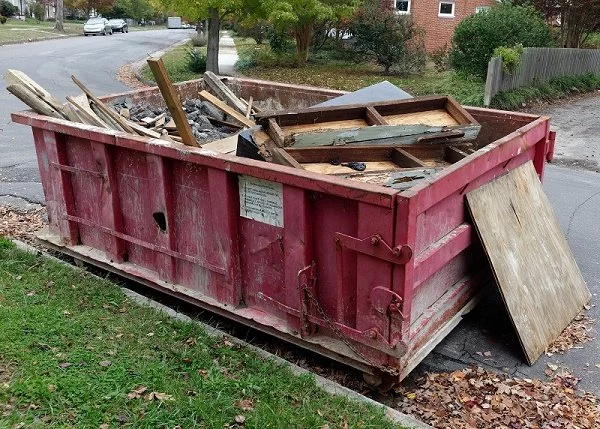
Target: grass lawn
(176, 64)
(75, 352)
(16, 30)
(350, 76)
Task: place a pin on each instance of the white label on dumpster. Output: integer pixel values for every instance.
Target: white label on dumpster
(261, 200)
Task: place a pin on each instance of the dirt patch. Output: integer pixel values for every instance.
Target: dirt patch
(126, 75)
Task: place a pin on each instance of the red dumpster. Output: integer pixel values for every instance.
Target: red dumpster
(367, 275)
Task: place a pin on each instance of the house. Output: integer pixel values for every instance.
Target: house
(24, 5)
(438, 18)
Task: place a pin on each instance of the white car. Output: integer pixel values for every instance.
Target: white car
(97, 26)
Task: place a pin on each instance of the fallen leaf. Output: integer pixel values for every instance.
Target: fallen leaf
(150, 334)
(105, 363)
(203, 373)
(137, 392)
(34, 407)
(118, 335)
(51, 388)
(67, 313)
(65, 365)
(487, 354)
(104, 426)
(158, 396)
(552, 366)
(245, 404)
(411, 395)
(239, 419)
(598, 365)
(31, 293)
(228, 343)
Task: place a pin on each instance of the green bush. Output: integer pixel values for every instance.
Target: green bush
(392, 40)
(511, 57)
(476, 37)
(256, 31)
(38, 10)
(196, 60)
(2, 19)
(279, 41)
(7, 9)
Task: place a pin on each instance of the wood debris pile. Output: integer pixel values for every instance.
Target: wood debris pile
(573, 336)
(21, 224)
(214, 116)
(476, 398)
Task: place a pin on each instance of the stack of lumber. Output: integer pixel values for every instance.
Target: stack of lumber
(89, 109)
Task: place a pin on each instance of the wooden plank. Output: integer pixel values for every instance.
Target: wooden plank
(275, 132)
(225, 108)
(453, 154)
(12, 77)
(404, 159)
(280, 156)
(535, 270)
(226, 145)
(324, 126)
(384, 135)
(249, 107)
(32, 100)
(114, 116)
(427, 117)
(142, 130)
(223, 92)
(86, 112)
(370, 166)
(220, 123)
(173, 102)
(105, 118)
(374, 118)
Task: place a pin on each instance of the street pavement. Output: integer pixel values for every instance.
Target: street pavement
(574, 194)
(94, 60)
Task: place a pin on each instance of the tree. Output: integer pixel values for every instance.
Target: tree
(299, 17)
(213, 10)
(577, 18)
(388, 38)
(506, 25)
(58, 24)
(7, 8)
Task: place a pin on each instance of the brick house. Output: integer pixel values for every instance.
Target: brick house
(438, 17)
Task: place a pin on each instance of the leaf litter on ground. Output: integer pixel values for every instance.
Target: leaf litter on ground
(575, 334)
(476, 398)
(21, 223)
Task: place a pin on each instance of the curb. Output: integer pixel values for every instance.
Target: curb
(327, 385)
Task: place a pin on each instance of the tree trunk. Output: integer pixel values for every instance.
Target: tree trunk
(303, 35)
(212, 50)
(58, 25)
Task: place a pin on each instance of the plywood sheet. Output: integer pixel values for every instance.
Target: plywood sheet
(226, 145)
(534, 267)
(323, 126)
(325, 168)
(428, 117)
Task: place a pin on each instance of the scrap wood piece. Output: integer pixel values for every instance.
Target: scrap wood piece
(112, 124)
(223, 92)
(383, 135)
(173, 101)
(85, 112)
(248, 106)
(225, 108)
(280, 156)
(32, 100)
(226, 145)
(152, 120)
(275, 132)
(17, 77)
(540, 283)
(114, 116)
(143, 130)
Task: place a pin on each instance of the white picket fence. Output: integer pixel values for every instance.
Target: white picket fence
(539, 65)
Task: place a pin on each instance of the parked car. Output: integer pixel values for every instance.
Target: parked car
(119, 25)
(97, 26)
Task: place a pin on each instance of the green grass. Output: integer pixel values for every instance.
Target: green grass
(592, 41)
(176, 64)
(16, 30)
(73, 347)
(555, 89)
(330, 70)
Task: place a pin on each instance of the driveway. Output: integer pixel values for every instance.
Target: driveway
(94, 60)
(577, 124)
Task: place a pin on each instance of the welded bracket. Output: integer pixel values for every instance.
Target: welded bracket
(386, 302)
(376, 247)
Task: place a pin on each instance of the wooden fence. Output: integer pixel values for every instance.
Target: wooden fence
(540, 65)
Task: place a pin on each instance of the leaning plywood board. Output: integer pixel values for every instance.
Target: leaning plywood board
(540, 283)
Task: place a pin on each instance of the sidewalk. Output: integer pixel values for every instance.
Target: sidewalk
(227, 55)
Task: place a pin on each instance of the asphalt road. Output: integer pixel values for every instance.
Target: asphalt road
(574, 193)
(94, 60)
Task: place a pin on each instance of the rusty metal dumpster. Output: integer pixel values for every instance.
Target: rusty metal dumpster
(369, 276)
